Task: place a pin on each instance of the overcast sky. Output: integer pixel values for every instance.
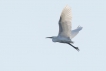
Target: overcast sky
(24, 24)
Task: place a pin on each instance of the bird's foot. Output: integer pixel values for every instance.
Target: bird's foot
(77, 48)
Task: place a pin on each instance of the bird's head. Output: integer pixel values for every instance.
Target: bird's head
(54, 38)
(49, 37)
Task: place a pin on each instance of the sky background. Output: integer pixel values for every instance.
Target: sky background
(24, 24)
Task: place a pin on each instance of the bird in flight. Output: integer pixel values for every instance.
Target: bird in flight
(65, 34)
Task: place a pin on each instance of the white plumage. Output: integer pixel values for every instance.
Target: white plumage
(75, 32)
(65, 22)
(64, 35)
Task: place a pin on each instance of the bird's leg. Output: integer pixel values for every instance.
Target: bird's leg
(74, 47)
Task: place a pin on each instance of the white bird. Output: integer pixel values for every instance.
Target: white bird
(65, 26)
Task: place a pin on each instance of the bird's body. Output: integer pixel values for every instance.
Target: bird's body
(64, 35)
(61, 39)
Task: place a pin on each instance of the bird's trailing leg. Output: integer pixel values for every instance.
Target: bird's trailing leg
(74, 47)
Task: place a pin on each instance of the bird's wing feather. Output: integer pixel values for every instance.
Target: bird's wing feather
(75, 32)
(65, 22)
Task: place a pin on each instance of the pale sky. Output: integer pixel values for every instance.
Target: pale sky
(24, 24)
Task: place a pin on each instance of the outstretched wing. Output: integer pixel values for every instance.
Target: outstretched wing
(75, 32)
(65, 22)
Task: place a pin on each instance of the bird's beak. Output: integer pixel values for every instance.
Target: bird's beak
(49, 37)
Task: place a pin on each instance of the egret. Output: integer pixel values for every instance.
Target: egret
(65, 34)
